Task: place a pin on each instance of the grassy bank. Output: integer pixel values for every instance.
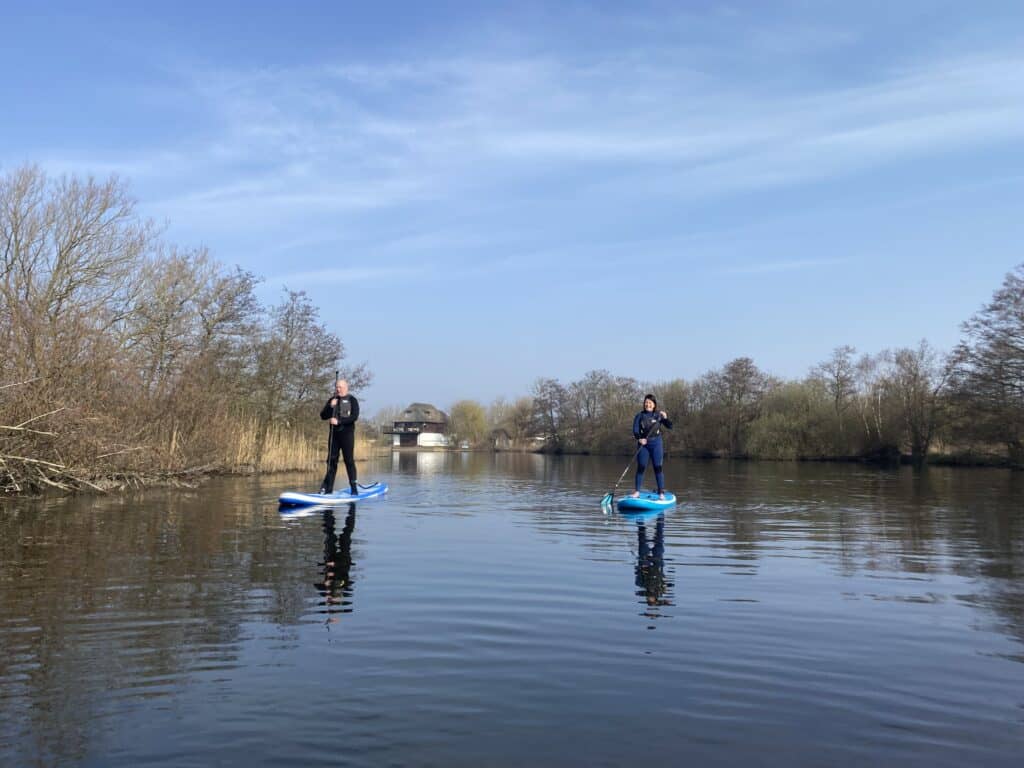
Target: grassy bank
(286, 450)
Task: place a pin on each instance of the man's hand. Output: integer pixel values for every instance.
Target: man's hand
(643, 441)
(334, 402)
(334, 421)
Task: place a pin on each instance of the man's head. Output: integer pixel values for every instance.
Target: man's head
(341, 388)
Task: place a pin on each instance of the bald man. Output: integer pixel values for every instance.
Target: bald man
(342, 410)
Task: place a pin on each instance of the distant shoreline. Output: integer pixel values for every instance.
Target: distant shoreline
(193, 479)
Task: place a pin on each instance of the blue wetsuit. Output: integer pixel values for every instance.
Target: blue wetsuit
(645, 423)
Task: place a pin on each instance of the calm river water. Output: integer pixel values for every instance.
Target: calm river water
(488, 612)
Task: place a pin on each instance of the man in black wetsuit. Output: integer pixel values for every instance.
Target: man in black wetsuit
(343, 411)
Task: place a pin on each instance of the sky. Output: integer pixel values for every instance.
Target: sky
(476, 195)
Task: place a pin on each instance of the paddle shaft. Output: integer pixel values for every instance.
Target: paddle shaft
(330, 427)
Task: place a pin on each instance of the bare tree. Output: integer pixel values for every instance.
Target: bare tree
(521, 423)
(738, 390)
(71, 256)
(873, 404)
(839, 375)
(549, 401)
(122, 356)
(295, 363)
(918, 379)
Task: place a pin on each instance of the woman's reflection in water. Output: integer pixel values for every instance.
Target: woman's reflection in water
(654, 586)
(336, 586)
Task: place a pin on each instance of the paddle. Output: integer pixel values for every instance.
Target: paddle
(608, 497)
(330, 427)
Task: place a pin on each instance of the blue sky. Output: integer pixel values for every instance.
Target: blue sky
(478, 194)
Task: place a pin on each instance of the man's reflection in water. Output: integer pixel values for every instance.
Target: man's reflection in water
(653, 585)
(336, 586)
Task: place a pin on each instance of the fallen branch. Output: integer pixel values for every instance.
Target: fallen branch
(33, 431)
(51, 483)
(19, 383)
(32, 461)
(87, 484)
(42, 416)
(123, 450)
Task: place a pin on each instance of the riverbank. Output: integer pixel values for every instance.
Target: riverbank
(964, 459)
(283, 456)
(280, 450)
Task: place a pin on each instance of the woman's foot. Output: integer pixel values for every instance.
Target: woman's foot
(661, 495)
(635, 495)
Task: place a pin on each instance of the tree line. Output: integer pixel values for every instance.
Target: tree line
(126, 357)
(912, 402)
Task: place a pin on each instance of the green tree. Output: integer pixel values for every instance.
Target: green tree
(794, 422)
(988, 370)
(467, 420)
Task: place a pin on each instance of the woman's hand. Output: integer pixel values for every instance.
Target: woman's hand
(334, 421)
(663, 415)
(643, 441)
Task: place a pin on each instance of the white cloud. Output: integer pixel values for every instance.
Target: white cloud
(342, 275)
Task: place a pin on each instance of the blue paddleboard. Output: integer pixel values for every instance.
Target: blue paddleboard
(646, 501)
(299, 499)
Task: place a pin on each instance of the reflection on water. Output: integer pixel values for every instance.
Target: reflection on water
(830, 615)
(335, 588)
(655, 588)
(424, 463)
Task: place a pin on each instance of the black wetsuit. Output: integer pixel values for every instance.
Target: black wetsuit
(645, 424)
(343, 436)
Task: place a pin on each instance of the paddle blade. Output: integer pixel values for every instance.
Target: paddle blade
(607, 500)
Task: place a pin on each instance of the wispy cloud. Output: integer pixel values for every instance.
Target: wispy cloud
(476, 125)
(782, 266)
(463, 142)
(342, 275)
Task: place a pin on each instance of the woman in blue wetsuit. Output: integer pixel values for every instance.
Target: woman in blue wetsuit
(647, 430)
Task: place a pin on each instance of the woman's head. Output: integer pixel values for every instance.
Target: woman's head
(650, 403)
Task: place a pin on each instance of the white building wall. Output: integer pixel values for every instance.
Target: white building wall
(431, 440)
(423, 440)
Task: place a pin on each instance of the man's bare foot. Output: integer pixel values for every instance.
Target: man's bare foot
(635, 495)
(661, 496)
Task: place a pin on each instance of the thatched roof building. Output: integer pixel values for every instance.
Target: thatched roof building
(423, 413)
(421, 425)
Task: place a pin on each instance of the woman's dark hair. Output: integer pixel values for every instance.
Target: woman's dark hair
(652, 398)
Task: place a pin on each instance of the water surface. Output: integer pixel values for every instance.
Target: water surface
(488, 612)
